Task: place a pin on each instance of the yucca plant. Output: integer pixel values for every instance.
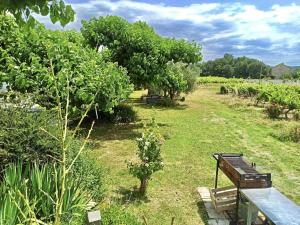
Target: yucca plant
(29, 193)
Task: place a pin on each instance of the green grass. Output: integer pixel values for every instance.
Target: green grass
(205, 123)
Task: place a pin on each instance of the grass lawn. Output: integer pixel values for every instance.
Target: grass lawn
(205, 123)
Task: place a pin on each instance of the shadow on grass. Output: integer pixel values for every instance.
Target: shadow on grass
(130, 196)
(202, 212)
(109, 132)
(161, 108)
(139, 103)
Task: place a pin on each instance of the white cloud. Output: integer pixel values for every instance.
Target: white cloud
(221, 22)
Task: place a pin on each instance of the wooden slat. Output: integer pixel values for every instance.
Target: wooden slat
(223, 198)
(226, 193)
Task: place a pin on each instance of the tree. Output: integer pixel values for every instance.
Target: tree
(177, 78)
(107, 31)
(27, 68)
(149, 154)
(242, 67)
(22, 10)
(138, 48)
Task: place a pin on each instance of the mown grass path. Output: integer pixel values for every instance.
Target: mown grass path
(205, 123)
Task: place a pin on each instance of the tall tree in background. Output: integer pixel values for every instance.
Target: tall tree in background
(22, 10)
(242, 67)
(138, 47)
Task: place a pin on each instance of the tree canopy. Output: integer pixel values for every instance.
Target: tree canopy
(22, 10)
(138, 47)
(241, 67)
(32, 60)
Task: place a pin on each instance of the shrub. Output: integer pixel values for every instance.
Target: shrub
(218, 80)
(21, 137)
(224, 90)
(149, 154)
(30, 63)
(123, 114)
(274, 111)
(89, 175)
(117, 216)
(290, 133)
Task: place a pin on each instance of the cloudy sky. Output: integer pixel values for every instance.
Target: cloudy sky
(265, 29)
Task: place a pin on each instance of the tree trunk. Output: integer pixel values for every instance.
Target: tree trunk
(172, 95)
(143, 187)
(286, 113)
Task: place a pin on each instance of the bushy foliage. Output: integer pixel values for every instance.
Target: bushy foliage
(240, 67)
(138, 48)
(218, 80)
(28, 195)
(89, 175)
(149, 155)
(172, 82)
(123, 114)
(273, 111)
(22, 10)
(281, 99)
(21, 137)
(27, 68)
(177, 78)
(118, 216)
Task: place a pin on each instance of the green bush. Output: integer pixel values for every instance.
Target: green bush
(121, 114)
(273, 111)
(224, 90)
(89, 175)
(289, 133)
(30, 63)
(149, 154)
(22, 138)
(115, 215)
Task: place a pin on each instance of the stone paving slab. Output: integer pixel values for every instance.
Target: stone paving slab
(215, 218)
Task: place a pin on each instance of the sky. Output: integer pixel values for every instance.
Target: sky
(268, 30)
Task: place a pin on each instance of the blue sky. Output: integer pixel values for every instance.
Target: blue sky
(267, 29)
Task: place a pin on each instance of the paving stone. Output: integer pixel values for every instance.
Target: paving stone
(213, 214)
(208, 205)
(204, 193)
(223, 222)
(215, 218)
(212, 222)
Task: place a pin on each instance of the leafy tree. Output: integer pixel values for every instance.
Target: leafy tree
(242, 67)
(137, 47)
(182, 51)
(149, 154)
(296, 74)
(178, 77)
(255, 70)
(22, 10)
(107, 31)
(28, 69)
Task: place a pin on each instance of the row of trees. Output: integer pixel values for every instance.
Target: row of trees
(240, 67)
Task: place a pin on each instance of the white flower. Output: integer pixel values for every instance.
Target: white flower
(146, 164)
